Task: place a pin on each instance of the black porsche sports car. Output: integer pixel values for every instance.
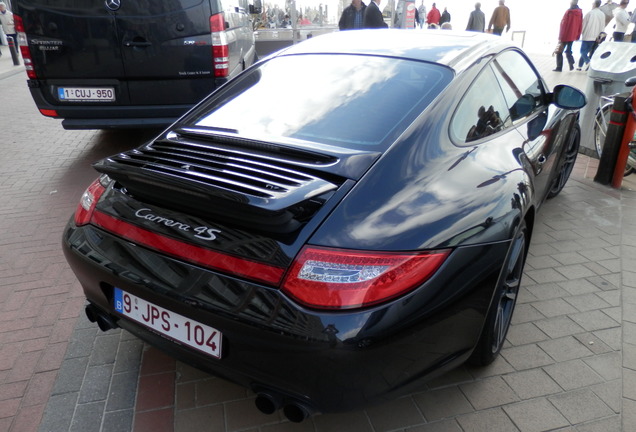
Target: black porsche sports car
(342, 221)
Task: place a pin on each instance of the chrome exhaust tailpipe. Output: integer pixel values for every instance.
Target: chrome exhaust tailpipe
(268, 403)
(296, 412)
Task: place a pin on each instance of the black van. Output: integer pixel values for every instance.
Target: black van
(129, 63)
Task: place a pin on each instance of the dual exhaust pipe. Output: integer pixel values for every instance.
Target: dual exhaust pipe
(103, 320)
(269, 403)
(266, 402)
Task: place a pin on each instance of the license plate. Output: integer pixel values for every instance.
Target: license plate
(176, 327)
(86, 94)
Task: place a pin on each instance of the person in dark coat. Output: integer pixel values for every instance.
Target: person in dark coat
(571, 27)
(373, 16)
(445, 18)
(477, 20)
(353, 16)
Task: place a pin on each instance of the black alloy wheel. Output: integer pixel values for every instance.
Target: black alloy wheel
(569, 159)
(500, 313)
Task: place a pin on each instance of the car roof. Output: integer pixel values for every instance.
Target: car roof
(455, 49)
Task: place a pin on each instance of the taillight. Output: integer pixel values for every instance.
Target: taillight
(220, 51)
(24, 47)
(344, 279)
(89, 200)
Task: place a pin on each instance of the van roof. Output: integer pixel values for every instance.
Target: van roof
(455, 49)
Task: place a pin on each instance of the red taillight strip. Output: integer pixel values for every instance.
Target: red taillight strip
(198, 255)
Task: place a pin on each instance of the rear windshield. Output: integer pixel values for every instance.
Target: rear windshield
(352, 101)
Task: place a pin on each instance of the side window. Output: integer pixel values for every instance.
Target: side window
(522, 88)
(483, 110)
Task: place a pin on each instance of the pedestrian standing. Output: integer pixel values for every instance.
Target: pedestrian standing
(477, 19)
(593, 25)
(570, 30)
(445, 18)
(373, 16)
(422, 13)
(352, 16)
(500, 19)
(622, 21)
(433, 16)
(6, 20)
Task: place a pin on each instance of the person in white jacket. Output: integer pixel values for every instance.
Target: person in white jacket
(6, 19)
(622, 21)
(593, 25)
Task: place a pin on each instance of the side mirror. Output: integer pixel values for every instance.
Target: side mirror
(567, 97)
(630, 82)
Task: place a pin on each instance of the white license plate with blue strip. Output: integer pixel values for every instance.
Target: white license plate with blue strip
(86, 94)
(176, 327)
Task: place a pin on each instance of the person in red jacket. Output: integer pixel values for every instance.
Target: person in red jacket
(571, 27)
(433, 16)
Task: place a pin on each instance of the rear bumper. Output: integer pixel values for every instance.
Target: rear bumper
(326, 360)
(117, 123)
(151, 112)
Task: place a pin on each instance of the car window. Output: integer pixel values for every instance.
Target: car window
(521, 86)
(352, 101)
(482, 111)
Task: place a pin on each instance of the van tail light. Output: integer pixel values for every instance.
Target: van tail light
(49, 112)
(24, 47)
(89, 200)
(344, 279)
(220, 51)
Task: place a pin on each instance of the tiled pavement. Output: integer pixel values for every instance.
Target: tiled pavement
(569, 363)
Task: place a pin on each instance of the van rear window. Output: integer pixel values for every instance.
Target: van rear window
(352, 101)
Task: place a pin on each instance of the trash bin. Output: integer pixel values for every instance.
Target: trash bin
(611, 64)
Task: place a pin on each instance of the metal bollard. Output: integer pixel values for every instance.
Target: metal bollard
(14, 51)
(611, 147)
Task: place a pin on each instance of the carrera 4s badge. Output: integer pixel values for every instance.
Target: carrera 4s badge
(202, 232)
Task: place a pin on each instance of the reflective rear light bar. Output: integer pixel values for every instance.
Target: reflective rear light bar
(188, 252)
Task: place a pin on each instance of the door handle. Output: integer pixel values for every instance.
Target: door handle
(137, 44)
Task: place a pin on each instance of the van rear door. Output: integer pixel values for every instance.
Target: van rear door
(166, 47)
(72, 39)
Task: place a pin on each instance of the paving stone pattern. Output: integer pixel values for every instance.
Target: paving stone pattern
(569, 363)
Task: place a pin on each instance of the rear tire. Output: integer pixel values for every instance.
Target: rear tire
(500, 313)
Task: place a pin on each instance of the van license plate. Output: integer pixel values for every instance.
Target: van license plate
(176, 327)
(86, 94)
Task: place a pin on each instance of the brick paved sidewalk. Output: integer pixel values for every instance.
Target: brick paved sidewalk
(569, 363)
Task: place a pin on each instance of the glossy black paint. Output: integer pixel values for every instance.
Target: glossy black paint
(271, 342)
(424, 191)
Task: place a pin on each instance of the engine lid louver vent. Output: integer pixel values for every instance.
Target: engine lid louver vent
(203, 175)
